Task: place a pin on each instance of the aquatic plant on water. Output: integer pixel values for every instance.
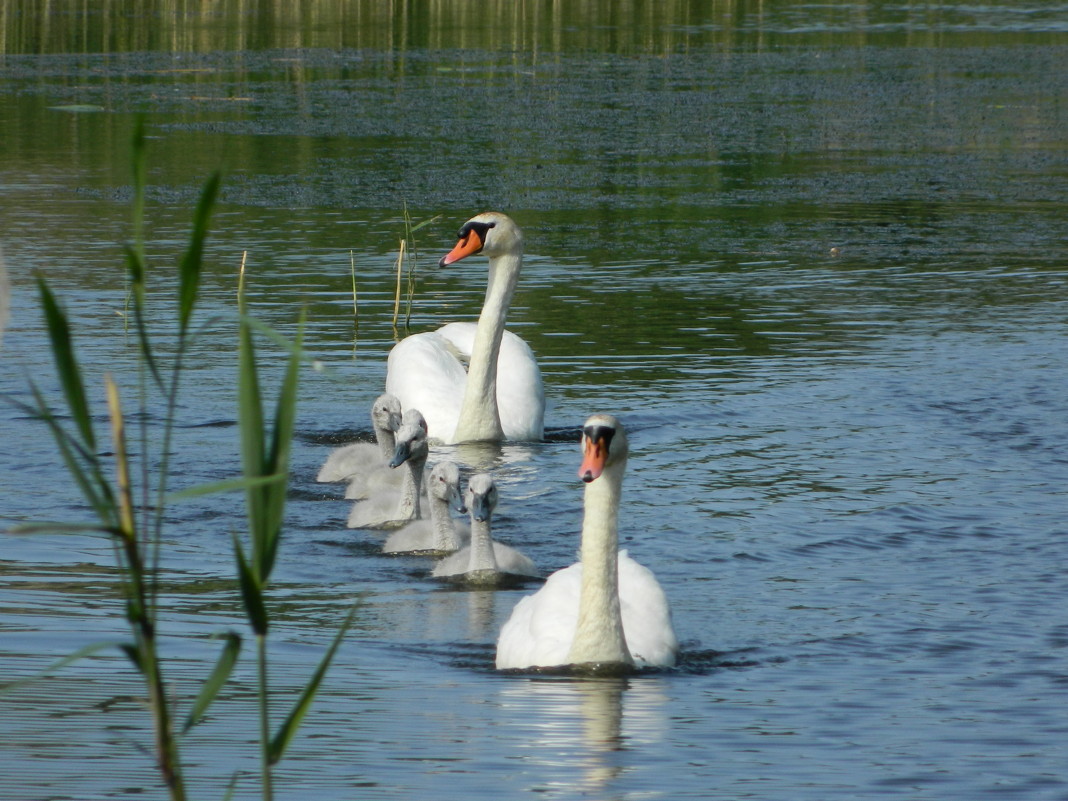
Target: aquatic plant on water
(129, 507)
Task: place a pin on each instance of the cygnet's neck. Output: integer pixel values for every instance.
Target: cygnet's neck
(599, 634)
(444, 529)
(479, 417)
(386, 442)
(412, 488)
(482, 556)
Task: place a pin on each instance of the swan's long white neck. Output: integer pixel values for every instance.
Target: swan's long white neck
(479, 418)
(445, 538)
(599, 635)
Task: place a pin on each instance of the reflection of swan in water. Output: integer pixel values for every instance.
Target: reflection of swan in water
(358, 460)
(440, 535)
(586, 727)
(388, 509)
(484, 562)
(606, 610)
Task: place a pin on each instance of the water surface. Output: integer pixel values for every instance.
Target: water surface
(814, 257)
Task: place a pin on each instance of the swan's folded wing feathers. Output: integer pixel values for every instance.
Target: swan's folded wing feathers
(646, 615)
(542, 626)
(520, 394)
(423, 374)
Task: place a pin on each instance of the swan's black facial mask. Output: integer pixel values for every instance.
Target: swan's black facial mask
(600, 434)
(480, 228)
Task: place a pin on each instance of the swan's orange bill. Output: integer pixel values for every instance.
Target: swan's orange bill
(469, 245)
(593, 458)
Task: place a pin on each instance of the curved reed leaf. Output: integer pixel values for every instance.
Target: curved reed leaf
(70, 375)
(223, 667)
(81, 653)
(190, 266)
(251, 591)
(289, 727)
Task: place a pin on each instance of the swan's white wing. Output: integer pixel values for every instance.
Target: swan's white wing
(646, 615)
(542, 625)
(424, 373)
(520, 395)
(428, 372)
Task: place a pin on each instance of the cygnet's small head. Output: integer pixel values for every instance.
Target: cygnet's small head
(411, 446)
(386, 413)
(414, 417)
(491, 233)
(481, 496)
(445, 485)
(604, 444)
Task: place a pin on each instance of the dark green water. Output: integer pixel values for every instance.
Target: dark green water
(814, 256)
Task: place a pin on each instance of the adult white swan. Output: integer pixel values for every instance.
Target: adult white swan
(499, 395)
(606, 609)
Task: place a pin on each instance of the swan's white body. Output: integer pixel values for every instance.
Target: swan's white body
(391, 509)
(440, 534)
(475, 382)
(356, 461)
(484, 561)
(606, 609)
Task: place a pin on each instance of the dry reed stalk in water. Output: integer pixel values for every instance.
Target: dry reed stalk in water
(397, 296)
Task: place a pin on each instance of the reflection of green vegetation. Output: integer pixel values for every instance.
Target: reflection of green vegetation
(607, 26)
(130, 509)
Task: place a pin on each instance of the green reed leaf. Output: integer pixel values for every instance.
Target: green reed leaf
(219, 675)
(189, 269)
(134, 655)
(70, 375)
(81, 653)
(82, 464)
(282, 437)
(289, 727)
(251, 591)
(250, 424)
(229, 485)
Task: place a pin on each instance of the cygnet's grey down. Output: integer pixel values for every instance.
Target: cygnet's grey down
(441, 534)
(389, 509)
(356, 461)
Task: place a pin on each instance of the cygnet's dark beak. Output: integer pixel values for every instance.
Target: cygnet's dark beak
(401, 454)
(480, 509)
